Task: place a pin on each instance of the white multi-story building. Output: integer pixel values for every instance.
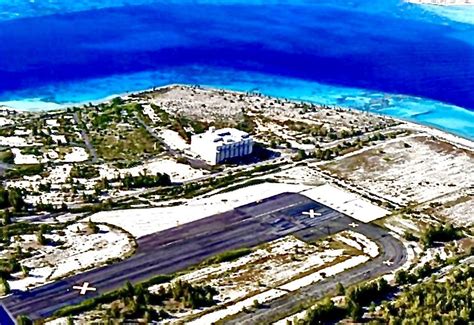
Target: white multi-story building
(216, 146)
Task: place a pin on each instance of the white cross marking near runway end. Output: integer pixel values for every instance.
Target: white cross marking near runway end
(311, 213)
(354, 225)
(387, 262)
(85, 287)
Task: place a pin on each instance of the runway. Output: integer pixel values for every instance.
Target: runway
(175, 249)
(391, 249)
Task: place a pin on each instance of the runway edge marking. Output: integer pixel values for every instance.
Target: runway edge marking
(5, 317)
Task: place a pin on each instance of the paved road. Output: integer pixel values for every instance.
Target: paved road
(154, 189)
(85, 137)
(157, 137)
(391, 250)
(180, 247)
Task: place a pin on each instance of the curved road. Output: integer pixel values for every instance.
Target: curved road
(177, 248)
(391, 249)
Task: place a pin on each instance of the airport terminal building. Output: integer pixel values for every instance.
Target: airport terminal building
(216, 146)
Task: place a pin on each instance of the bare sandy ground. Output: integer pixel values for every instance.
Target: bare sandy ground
(415, 169)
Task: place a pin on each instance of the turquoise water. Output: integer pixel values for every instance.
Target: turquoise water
(462, 14)
(412, 62)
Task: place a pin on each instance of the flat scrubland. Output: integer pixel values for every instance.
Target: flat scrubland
(148, 134)
(39, 257)
(126, 165)
(415, 170)
(262, 274)
(81, 156)
(270, 120)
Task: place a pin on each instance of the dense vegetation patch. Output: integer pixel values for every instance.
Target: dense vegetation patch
(84, 171)
(228, 256)
(25, 170)
(355, 299)
(12, 198)
(144, 180)
(137, 302)
(450, 301)
(440, 233)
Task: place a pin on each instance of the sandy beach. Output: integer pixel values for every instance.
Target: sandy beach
(36, 105)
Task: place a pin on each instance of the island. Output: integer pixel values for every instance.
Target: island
(188, 204)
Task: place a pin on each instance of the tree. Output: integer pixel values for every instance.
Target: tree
(25, 271)
(409, 236)
(441, 233)
(147, 317)
(355, 311)
(93, 227)
(327, 154)
(141, 295)
(129, 289)
(23, 320)
(301, 155)
(3, 198)
(424, 271)
(5, 235)
(15, 199)
(340, 290)
(401, 277)
(4, 287)
(116, 101)
(372, 307)
(40, 237)
(324, 311)
(382, 285)
(256, 304)
(7, 156)
(446, 302)
(7, 218)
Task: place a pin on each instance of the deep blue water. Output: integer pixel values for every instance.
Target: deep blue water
(382, 55)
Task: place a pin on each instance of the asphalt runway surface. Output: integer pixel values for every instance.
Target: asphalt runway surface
(177, 248)
(391, 251)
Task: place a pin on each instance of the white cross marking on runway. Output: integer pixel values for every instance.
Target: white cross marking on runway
(387, 262)
(311, 213)
(85, 287)
(354, 225)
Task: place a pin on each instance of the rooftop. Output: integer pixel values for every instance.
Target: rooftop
(223, 136)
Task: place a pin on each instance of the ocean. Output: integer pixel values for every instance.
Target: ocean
(386, 56)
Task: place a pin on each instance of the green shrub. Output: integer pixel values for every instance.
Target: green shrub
(7, 156)
(25, 170)
(228, 256)
(85, 171)
(441, 233)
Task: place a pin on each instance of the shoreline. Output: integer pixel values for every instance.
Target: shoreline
(443, 3)
(452, 137)
(34, 105)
